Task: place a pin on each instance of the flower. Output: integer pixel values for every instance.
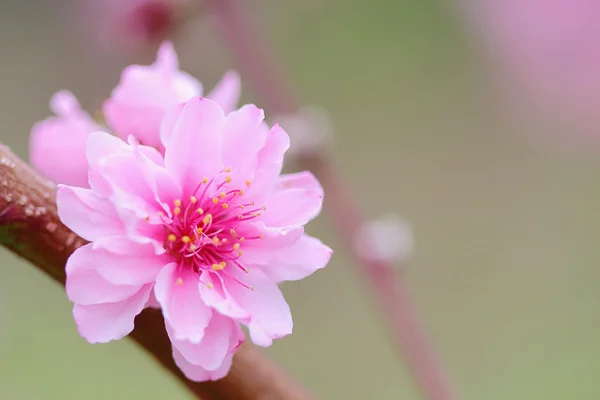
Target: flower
(57, 144)
(137, 106)
(209, 230)
(145, 93)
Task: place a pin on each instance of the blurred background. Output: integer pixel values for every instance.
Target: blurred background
(476, 121)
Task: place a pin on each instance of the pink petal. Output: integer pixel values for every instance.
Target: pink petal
(57, 144)
(216, 295)
(198, 374)
(86, 214)
(242, 134)
(194, 149)
(86, 286)
(176, 290)
(270, 316)
(227, 91)
(290, 263)
(220, 337)
(292, 207)
(145, 93)
(101, 323)
(124, 262)
(270, 162)
(299, 180)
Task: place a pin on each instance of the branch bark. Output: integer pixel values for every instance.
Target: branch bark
(30, 228)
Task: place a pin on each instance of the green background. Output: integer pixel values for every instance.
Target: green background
(504, 206)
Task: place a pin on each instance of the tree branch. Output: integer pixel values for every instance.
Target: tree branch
(30, 228)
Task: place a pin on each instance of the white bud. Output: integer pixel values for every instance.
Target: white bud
(389, 238)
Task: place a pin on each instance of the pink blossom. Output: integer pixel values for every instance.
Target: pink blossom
(145, 93)
(550, 48)
(57, 144)
(138, 104)
(209, 229)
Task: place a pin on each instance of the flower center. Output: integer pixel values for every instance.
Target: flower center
(205, 230)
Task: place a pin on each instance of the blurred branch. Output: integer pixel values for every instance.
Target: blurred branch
(264, 75)
(30, 228)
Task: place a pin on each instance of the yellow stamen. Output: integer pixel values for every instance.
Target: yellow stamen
(260, 236)
(225, 205)
(224, 240)
(215, 200)
(193, 247)
(251, 288)
(264, 208)
(207, 219)
(199, 230)
(228, 169)
(209, 285)
(185, 239)
(248, 183)
(177, 210)
(177, 203)
(222, 195)
(218, 267)
(193, 199)
(215, 240)
(242, 239)
(200, 211)
(179, 282)
(241, 192)
(172, 237)
(240, 253)
(160, 214)
(205, 180)
(236, 246)
(228, 179)
(223, 264)
(240, 216)
(232, 232)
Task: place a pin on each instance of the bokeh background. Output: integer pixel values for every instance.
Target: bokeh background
(503, 199)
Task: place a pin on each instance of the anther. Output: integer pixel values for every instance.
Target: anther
(236, 246)
(240, 253)
(177, 210)
(199, 230)
(215, 240)
(200, 211)
(218, 267)
(225, 205)
(193, 199)
(241, 192)
(177, 203)
(248, 183)
(242, 239)
(222, 195)
(232, 232)
(179, 282)
(228, 169)
(228, 179)
(160, 214)
(209, 285)
(215, 200)
(207, 219)
(172, 237)
(193, 247)
(185, 239)
(205, 180)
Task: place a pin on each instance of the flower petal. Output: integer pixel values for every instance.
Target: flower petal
(270, 316)
(289, 263)
(101, 323)
(242, 134)
(57, 144)
(227, 91)
(198, 374)
(86, 286)
(194, 150)
(176, 290)
(270, 162)
(215, 294)
(88, 215)
(220, 337)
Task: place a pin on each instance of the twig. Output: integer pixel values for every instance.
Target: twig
(266, 78)
(30, 228)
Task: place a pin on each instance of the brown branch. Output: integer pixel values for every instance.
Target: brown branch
(30, 228)
(263, 73)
